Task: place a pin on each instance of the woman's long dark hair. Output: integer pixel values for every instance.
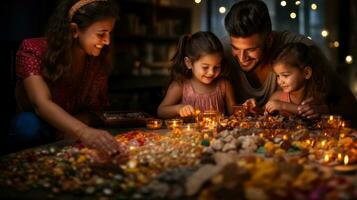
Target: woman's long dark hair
(58, 57)
(300, 55)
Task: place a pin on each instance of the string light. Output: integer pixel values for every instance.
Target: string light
(309, 37)
(293, 15)
(314, 6)
(297, 3)
(336, 44)
(324, 33)
(197, 1)
(283, 3)
(349, 59)
(222, 9)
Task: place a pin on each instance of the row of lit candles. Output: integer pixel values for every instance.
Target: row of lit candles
(170, 124)
(345, 160)
(332, 121)
(208, 120)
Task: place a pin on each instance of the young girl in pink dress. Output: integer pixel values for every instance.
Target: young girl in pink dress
(300, 76)
(196, 78)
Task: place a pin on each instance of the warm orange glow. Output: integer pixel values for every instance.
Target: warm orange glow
(345, 160)
(331, 117)
(326, 158)
(339, 156)
(285, 137)
(323, 143)
(154, 124)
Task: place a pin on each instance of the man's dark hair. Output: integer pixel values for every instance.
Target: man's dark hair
(248, 17)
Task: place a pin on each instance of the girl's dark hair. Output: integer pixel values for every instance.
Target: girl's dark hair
(194, 46)
(248, 17)
(300, 55)
(58, 57)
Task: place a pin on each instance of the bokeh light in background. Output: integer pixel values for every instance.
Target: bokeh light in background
(349, 59)
(222, 9)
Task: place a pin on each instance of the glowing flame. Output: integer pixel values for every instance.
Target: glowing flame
(345, 160)
(339, 156)
(323, 143)
(326, 158)
(285, 137)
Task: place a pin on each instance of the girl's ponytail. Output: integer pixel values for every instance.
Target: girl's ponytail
(179, 69)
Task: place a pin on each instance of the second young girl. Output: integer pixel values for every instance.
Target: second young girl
(196, 78)
(300, 77)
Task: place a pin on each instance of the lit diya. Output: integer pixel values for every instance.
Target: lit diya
(154, 124)
(173, 123)
(346, 169)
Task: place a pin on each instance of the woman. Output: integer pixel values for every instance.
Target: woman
(62, 77)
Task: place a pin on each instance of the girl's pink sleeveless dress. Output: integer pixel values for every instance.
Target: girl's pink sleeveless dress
(213, 101)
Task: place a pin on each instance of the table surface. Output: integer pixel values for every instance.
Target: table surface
(10, 193)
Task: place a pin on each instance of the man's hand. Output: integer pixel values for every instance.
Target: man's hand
(252, 107)
(310, 109)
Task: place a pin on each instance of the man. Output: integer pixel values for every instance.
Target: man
(249, 49)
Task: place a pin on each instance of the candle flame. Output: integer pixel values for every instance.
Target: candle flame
(345, 160)
(326, 158)
(285, 137)
(339, 156)
(323, 143)
(308, 141)
(331, 117)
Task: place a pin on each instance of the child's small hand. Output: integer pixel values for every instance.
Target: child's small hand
(186, 110)
(273, 105)
(251, 105)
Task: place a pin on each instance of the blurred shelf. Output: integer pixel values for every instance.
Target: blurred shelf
(145, 38)
(137, 83)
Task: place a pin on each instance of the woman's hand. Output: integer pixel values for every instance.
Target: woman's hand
(310, 109)
(186, 110)
(102, 141)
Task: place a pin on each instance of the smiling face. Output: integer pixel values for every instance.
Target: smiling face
(290, 78)
(206, 68)
(248, 50)
(95, 37)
